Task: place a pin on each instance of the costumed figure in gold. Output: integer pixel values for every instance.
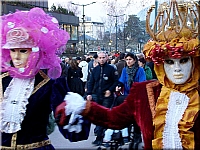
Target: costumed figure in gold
(167, 110)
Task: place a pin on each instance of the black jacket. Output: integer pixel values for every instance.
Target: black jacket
(120, 65)
(47, 95)
(102, 78)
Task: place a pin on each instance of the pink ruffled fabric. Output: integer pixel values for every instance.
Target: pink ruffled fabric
(45, 32)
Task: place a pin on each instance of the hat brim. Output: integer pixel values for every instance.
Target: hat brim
(16, 45)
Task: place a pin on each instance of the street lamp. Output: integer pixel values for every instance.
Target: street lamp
(83, 5)
(116, 16)
(110, 45)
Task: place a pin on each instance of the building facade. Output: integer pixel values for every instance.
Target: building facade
(94, 34)
(95, 30)
(69, 23)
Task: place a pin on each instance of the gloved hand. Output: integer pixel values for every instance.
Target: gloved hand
(73, 105)
(60, 116)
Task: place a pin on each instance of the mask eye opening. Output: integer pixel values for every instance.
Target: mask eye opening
(23, 50)
(184, 60)
(169, 61)
(13, 50)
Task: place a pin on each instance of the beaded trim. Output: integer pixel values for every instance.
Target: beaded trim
(25, 146)
(4, 74)
(1, 86)
(177, 105)
(13, 140)
(43, 82)
(150, 94)
(34, 145)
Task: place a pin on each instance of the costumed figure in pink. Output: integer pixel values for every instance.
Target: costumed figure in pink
(30, 85)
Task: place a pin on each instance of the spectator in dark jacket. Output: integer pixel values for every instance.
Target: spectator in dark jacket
(100, 87)
(120, 64)
(74, 78)
(93, 63)
(64, 70)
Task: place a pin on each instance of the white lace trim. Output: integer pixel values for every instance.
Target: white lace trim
(13, 107)
(177, 105)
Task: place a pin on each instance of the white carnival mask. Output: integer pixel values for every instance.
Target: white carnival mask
(179, 70)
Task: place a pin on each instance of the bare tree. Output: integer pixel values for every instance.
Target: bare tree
(73, 8)
(62, 7)
(113, 8)
(116, 10)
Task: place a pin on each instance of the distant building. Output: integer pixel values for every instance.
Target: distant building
(67, 22)
(94, 30)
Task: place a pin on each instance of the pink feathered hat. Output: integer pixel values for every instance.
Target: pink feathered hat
(36, 30)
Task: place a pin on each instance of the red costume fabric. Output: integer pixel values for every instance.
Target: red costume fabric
(138, 106)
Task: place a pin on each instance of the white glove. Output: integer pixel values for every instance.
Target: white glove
(75, 127)
(75, 104)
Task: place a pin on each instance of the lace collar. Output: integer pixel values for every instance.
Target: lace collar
(13, 106)
(177, 105)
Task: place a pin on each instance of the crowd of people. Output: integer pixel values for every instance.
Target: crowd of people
(113, 92)
(87, 62)
(107, 79)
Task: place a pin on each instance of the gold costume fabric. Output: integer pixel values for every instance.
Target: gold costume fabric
(187, 121)
(173, 38)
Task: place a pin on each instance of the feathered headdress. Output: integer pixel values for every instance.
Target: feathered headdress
(39, 31)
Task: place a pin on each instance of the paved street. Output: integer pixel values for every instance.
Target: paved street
(60, 143)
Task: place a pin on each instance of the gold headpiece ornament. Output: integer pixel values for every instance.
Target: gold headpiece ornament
(174, 32)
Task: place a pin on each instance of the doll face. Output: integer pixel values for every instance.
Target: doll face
(20, 56)
(178, 70)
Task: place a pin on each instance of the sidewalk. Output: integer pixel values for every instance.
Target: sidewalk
(60, 143)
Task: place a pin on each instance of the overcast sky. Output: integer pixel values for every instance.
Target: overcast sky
(97, 11)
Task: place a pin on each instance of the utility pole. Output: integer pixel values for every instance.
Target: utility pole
(156, 11)
(116, 16)
(83, 5)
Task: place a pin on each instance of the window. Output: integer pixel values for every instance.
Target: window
(74, 33)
